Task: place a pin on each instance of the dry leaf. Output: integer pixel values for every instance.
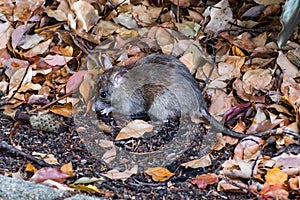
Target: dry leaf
(276, 176)
(75, 80)
(251, 77)
(86, 14)
(159, 174)
(45, 173)
(57, 60)
(117, 175)
(68, 169)
(220, 15)
(30, 168)
(248, 148)
(63, 110)
(134, 129)
(205, 179)
(202, 162)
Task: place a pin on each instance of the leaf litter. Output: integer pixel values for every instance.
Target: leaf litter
(253, 87)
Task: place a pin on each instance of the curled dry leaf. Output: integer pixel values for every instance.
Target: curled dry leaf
(159, 174)
(68, 169)
(45, 173)
(57, 60)
(63, 110)
(220, 15)
(38, 49)
(75, 80)
(258, 79)
(117, 175)
(248, 148)
(134, 129)
(276, 176)
(294, 183)
(86, 14)
(205, 179)
(202, 162)
(225, 186)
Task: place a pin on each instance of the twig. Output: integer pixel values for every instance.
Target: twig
(5, 145)
(3, 103)
(51, 103)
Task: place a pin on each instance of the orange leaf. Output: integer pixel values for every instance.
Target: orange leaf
(159, 174)
(30, 168)
(67, 168)
(276, 176)
(63, 110)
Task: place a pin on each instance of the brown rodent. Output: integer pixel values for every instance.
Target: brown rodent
(158, 85)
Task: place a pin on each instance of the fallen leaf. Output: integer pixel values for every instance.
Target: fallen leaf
(57, 60)
(75, 80)
(45, 173)
(63, 110)
(134, 129)
(159, 174)
(86, 180)
(30, 168)
(57, 185)
(220, 15)
(226, 186)
(202, 162)
(276, 176)
(205, 179)
(117, 175)
(294, 183)
(86, 14)
(250, 78)
(248, 148)
(68, 169)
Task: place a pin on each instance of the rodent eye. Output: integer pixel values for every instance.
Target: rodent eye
(103, 94)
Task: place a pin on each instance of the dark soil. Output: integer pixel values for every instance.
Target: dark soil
(67, 147)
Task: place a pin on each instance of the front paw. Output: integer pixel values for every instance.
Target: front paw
(106, 111)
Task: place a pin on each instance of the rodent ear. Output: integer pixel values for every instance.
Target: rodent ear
(118, 78)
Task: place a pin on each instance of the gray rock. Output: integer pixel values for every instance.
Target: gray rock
(16, 189)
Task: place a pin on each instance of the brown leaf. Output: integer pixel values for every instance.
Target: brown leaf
(45, 173)
(75, 80)
(63, 110)
(86, 14)
(117, 175)
(251, 77)
(276, 176)
(38, 49)
(30, 168)
(201, 162)
(205, 179)
(248, 148)
(24, 9)
(159, 174)
(134, 129)
(67, 168)
(56, 60)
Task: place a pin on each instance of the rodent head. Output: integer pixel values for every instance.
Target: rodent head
(108, 82)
